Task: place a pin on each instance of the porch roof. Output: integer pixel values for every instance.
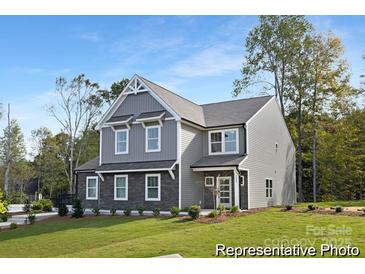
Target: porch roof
(136, 166)
(219, 161)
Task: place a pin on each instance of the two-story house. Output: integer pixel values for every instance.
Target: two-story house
(158, 150)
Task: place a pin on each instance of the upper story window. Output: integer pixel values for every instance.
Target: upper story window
(223, 141)
(121, 141)
(153, 138)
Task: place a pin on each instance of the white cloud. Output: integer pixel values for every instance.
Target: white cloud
(212, 61)
(90, 36)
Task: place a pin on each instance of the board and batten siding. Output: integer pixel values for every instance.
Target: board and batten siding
(241, 140)
(191, 151)
(264, 130)
(135, 104)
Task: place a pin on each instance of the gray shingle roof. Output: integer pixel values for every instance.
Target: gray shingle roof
(150, 114)
(136, 165)
(210, 115)
(90, 165)
(119, 118)
(219, 161)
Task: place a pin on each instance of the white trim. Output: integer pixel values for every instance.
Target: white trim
(134, 170)
(96, 187)
(115, 188)
(178, 154)
(257, 112)
(205, 181)
(100, 146)
(222, 131)
(230, 190)
(213, 168)
(159, 138)
(116, 141)
(101, 176)
(236, 188)
(158, 175)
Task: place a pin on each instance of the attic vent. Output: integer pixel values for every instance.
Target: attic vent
(135, 87)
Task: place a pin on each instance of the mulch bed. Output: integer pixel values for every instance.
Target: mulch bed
(326, 212)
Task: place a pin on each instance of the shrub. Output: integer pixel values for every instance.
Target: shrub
(289, 207)
(194, 211)
(47, 205)
(328, 197)
(63, 210)
(113, 211)
(17, 198)
(338, 209)
(77, 209)
(213, 214)
(127, 212)
(234, 209)
(156, 212)
(31, 218)
(13, 226)
(363, 209)
(140, 210)
(4, 217)
(312, 207)
(37, 205)
(174, 211)
(221, 209)
(96, 211)
(3, 204)
(27, 206)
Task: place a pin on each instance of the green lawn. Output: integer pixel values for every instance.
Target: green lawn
(357, 203)
(148, 236)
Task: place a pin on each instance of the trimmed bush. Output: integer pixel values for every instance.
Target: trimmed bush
(78, 210)
(27, 206)
(13, 226)
(47, 205)
(194, 211)
(37, 205)
(234, 209)
(140, 210)
(127, 212)
(289, 207)
(174, 211)
(31, 218)
(338, 209)
(312, 207)
(156, 212)
(96, 211)
(221, 209)
(63, 210)
(213, 214)
(113, 211)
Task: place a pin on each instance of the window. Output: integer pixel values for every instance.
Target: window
(268, 188)
(121, 141)
(121, 187)
(223, 141)
(153, 187)
(153, 138)
(209, 181)
(92, 188)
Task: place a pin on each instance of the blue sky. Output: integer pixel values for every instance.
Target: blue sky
(196, 56)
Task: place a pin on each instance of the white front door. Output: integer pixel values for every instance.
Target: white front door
(225, 191)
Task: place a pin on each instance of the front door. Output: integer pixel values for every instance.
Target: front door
(225, 191)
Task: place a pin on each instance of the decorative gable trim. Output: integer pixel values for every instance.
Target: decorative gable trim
(135, 85)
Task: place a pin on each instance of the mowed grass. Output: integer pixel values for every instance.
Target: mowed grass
(118, 236)
(355, 203)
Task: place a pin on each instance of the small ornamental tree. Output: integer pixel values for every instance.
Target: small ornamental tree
(78, 210)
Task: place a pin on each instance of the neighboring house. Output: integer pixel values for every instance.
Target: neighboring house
(159, 150)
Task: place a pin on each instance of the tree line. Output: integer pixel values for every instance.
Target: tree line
(305, 69)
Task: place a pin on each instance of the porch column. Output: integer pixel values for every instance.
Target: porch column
(236, 188)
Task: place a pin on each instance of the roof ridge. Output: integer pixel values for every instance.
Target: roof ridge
(233, 100)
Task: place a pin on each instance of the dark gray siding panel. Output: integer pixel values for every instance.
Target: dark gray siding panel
(137, 145)
(136, 192)
(241, 141)
(244, 191)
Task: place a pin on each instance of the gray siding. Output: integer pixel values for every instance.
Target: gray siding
(137, 104)
(136, 192)
(241, 141)
(264, 130)
(192, 183)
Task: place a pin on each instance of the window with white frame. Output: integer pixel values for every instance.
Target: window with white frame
(121, 141)
(153, 138)
(268, 188)
(223, 141)
(209, 181)
(153, 187)
(121, 187)
(92, 188)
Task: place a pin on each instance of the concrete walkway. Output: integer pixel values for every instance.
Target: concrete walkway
(176, 255)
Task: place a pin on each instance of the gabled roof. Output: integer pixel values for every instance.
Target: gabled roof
(89, 166)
